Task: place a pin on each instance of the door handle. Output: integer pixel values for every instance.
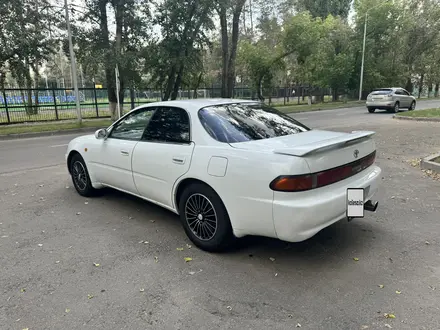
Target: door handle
(178, 160)
(124, 153)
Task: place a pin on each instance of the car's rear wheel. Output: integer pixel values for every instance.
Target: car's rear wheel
(412, 106)
(396, 107)
(80, 176)
(371, 110)
(205, 219)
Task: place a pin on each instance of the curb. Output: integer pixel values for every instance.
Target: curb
(428, 164)
(48, 133)
(436, 120)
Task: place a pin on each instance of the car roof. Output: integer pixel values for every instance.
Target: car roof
(196, 104)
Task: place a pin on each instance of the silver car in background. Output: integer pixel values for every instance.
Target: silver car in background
(390, 99)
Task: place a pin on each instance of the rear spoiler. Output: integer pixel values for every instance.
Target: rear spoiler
(338, 142)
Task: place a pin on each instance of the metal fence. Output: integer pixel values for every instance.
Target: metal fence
(33, 105)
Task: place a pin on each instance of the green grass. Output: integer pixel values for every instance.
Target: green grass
(53, 126)
(319, 106)
(428, 113)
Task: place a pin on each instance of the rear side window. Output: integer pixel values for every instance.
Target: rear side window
(382, 92)
(242, 122)
(168, 124)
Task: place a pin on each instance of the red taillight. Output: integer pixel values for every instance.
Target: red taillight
(291, 183)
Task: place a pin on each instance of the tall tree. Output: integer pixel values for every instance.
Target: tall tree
(226, 9)
(120, 47)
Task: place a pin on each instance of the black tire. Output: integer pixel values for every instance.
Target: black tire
(412, 106)
(198, 220)
(371, 110)
(396, 107)
(80, 176)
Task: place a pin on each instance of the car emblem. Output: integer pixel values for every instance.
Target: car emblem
(356, 153)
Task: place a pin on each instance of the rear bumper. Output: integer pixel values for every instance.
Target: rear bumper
(299, 216)
(380, 104)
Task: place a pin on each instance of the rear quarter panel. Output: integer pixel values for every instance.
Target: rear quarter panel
(245, 187)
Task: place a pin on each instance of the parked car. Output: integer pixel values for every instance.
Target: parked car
(390, 99)
(230, 168)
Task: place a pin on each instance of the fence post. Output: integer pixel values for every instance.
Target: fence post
(55, 103)
(6, 106)
(96, 100)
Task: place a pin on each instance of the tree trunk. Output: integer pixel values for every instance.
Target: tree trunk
(177, 82)
(430, 87)
(196, 87)
(170, 83)
(409, 85)
(422, 77)
(229, 55)
(436, 89)
(225, 49)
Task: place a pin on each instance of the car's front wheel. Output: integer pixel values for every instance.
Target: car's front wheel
(205, 219)
(80, 176)
(412, 106)
(371, 110)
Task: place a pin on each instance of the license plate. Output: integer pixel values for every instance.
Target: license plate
(355, 202)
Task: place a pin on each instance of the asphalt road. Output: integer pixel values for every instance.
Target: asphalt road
(50, 238)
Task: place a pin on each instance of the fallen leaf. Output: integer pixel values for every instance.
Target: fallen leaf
(67, 310)
(427, 243)
(389, 316)
(57, 262)
(146, 242)
(89, 296)
(191, 273)
(272, 259)
(398, 292)
(141, 290)
(356, 259)
(298, 325)
(86, 203)
(40, 245)
(95, 264)
(156, 259)
(188, 246)
(23, 290)
(67, 187)
(229, 308)
(365, 327)
(41, 185)
(78, 213)
(380, 286)
(187, 259)
(179, 249)
(388, 326)
(276, 274)
(141, 242)
(290, 316)
(153, 220)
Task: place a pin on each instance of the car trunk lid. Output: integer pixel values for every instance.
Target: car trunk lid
(322, 150)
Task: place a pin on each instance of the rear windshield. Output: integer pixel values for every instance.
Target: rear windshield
(242, 122)
(382, 92)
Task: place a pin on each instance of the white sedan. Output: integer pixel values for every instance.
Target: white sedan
(231, 168)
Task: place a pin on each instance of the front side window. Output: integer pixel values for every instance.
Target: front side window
(169, 125)
(133, 126)
(242, 122)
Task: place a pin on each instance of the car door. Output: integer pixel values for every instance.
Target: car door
(163, 155)
(112, 158)
(403, 100)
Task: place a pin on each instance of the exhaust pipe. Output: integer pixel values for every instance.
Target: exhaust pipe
(371, 206)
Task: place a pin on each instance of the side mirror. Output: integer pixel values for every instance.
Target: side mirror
(101, 134)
